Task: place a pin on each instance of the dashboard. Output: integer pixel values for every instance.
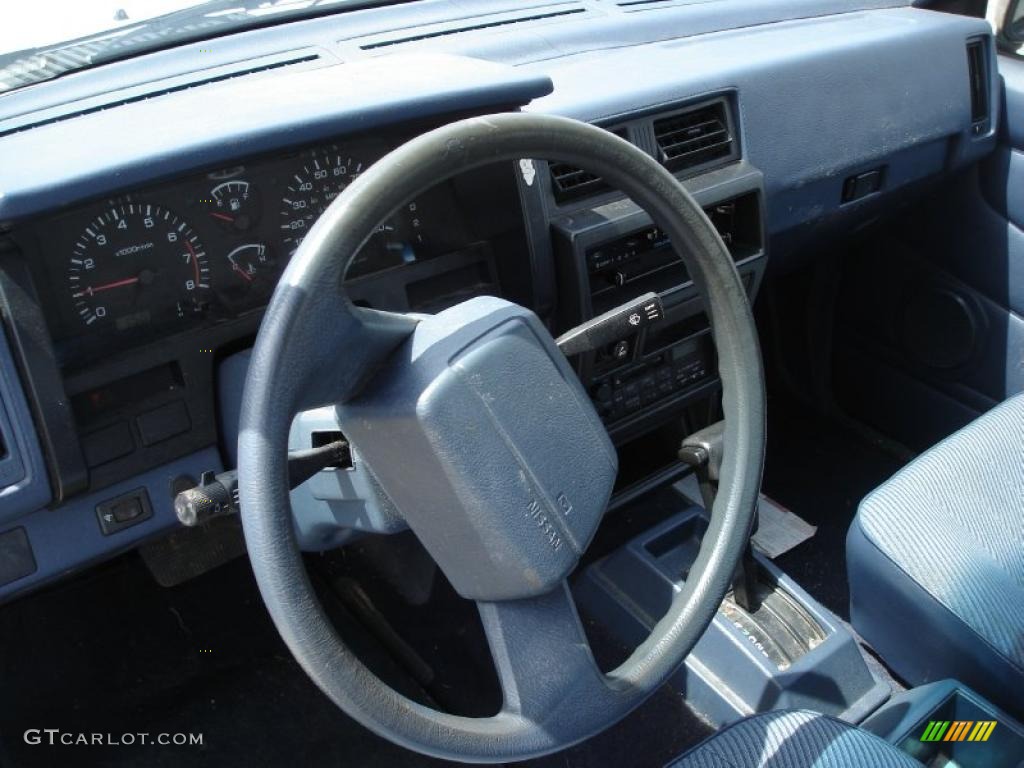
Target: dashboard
(139, 250)
(146, 293)
(206, 249)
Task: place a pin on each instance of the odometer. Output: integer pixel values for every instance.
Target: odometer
(136, 263)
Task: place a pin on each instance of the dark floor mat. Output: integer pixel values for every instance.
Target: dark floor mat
(111, 652)
(821, 470)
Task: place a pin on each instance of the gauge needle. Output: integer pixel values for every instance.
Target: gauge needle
(195, 260)
(242, 272)
(222, 216)
(106, 286)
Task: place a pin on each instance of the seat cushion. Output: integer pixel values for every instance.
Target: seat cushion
(936, 561)
(794, 740)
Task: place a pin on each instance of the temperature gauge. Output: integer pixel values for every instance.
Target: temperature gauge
(249, 273)
(251, 263)
(234, 205)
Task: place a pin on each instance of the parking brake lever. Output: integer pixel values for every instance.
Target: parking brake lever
(217, 493)
(614, 325)
(703, 451)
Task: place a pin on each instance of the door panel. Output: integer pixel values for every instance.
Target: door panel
(930, 311)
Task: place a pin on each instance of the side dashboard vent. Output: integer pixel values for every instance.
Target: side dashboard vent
(695, 137)
(569, 182)
(3, 437)
(977, 72)
(12, 468)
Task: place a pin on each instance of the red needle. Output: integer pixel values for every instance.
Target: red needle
(107, 286)
(195, 261)
(241, 271)
(222, 216)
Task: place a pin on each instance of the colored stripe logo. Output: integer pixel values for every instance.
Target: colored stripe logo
(958, 730)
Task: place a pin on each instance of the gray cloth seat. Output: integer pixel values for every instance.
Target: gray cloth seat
(794, 739)
(935, 559)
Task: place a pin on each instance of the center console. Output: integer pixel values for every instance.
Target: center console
(610, 253)
(786, 653)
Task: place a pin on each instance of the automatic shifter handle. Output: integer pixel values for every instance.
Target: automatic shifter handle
(703, 450)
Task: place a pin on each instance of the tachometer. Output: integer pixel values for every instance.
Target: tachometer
(134, 263)
(313, 187)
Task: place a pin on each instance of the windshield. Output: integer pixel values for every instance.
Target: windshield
(47, 38)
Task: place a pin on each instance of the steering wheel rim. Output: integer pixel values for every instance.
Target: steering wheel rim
(553, 694)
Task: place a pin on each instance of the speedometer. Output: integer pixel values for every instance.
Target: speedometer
(314, 186)
(135, 263)
(311, 190)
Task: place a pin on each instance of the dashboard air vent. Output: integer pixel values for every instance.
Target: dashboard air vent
(3, 445)
(977, 71)
(482, 25)
(634, 3)
(569, 182)
(695, 137)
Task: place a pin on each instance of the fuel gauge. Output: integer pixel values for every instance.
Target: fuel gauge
(234, 204)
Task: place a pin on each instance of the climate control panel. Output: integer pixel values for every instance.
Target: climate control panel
(663, 376)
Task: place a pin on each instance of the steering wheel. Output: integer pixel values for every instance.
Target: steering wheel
(479, 432)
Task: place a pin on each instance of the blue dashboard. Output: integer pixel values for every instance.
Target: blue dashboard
(793, 123)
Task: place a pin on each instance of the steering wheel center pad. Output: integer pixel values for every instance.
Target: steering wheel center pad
(492, 451)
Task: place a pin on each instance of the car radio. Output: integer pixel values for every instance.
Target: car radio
(626, 258)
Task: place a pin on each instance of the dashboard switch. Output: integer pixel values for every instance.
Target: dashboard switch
(163, 422)
(124, 511)
(862, 185)
(16, 557)
(107, 444)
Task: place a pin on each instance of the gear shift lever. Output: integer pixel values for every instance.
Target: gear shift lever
(703, 451)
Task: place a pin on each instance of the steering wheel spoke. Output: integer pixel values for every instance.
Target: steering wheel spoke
(541, 654)
(342, 344)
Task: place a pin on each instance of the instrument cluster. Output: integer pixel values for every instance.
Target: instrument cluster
(212, 246)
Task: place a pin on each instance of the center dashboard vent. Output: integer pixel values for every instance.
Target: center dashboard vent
(569, 182)
(695, 137)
